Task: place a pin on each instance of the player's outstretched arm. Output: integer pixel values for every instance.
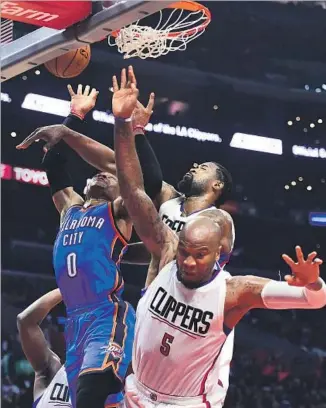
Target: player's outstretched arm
(34, 344)
(304, 289)
(156, 236)
(96, 154)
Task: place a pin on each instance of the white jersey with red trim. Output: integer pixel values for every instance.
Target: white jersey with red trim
(172, 214)
(179, 337)
(56, 394)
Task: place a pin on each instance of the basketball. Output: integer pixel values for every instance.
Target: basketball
(70, 64)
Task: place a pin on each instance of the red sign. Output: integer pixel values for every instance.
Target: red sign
(53, 14)
(24, 175)
(6, 172)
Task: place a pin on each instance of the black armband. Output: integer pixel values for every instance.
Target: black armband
(152, 172)
(75, 123)
(54, 163)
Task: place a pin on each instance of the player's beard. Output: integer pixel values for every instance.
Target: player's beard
(194, 284)
(189, 187)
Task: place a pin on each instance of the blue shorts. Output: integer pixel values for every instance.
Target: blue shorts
(98, 338)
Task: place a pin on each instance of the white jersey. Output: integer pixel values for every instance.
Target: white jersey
(56, 394)
(172, 215)
(179, 337)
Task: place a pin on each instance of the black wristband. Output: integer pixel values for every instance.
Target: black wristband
(74, 123)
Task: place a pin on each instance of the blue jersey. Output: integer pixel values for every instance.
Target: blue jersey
(86, 256)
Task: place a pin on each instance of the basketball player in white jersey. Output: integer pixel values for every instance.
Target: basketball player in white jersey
(50, 384)
(188, 310)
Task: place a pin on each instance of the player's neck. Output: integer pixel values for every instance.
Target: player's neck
(93, 201)
(196, 203)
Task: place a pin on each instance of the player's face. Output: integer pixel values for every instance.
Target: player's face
(103, 185)
(198, 179)
(196, 262)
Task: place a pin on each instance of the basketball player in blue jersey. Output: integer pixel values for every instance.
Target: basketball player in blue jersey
(100, 325)
(50, 384)
(87, 253)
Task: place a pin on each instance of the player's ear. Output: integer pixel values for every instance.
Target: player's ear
(218, 185)
(218, 253)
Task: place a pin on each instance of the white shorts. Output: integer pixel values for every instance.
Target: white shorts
(139, 396)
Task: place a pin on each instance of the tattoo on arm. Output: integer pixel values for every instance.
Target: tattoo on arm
(245, 291)
(148, 225)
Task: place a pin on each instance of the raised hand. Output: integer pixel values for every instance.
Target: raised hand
(304, 271)
(51, 134)
(82, 101)
(124, 99)
(141, 115)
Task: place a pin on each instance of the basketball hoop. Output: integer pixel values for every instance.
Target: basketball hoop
(186, 22)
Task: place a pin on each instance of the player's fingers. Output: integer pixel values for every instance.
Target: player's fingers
(86, 90)
(123, 82)
(29, 140)
(94, 93)
(80, 89)
(293, 280)
(71, 91)
(299, 253)
(134, 88)
(131, 75)
(289, 279)
(318, 261)
(288, 260)
(47, 147)
(115, 85)
(151, 102)
(311, 256)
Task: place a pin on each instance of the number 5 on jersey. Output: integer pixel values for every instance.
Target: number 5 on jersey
(72, 264)
(166, 344)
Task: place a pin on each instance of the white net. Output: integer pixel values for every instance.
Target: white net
(174, 34)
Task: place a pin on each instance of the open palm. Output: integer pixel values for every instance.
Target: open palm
(124, 98)
(84, 100)
(304, 271)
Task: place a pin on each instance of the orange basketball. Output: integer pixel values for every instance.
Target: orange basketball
(70, 64)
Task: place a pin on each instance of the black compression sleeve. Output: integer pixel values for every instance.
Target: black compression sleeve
(152, 172)
(54, 163)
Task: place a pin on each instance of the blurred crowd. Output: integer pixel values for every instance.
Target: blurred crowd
(259, 378)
